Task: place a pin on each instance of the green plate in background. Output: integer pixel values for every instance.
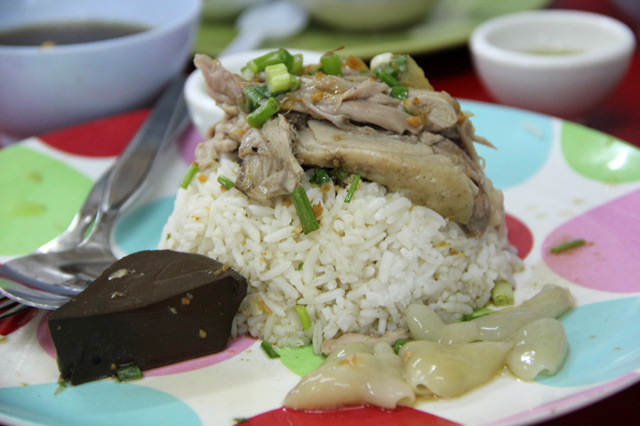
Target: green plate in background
(448, 25)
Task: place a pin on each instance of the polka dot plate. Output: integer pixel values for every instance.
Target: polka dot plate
(561, 181)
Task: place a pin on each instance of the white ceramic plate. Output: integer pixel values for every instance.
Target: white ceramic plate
(561, 181)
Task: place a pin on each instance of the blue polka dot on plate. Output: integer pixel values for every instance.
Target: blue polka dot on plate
(523, 141)
(603, 343)
(96, 403)
(141, 228)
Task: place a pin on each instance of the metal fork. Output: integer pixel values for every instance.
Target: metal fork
(32, 280)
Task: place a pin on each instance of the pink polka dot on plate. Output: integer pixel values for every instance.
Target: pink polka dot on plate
(609, 259)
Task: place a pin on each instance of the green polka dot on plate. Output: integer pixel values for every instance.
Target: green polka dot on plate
(599, 156)
(300, 360)
(39, 197)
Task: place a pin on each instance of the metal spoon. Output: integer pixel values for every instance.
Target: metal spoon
(49, 279)
(269, 21)
(70, 238)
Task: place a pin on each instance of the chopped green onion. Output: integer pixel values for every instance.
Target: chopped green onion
(241, 420)
(399, 344)
(225, 181)
(62, 385)
(320, 177)
(287, 58)
(254, 94)
(294, 83)
(300, 266)
(246, 73)
(389, 74)
(280, 56)
(568, 245)
(301, 202)
(339, 175)
(193, 169)
(271, 353)
(399, 92)
(331, 65)
(387, 69)
(296, 64)
(502, 293)
(400, 63)
(277, 78)
(388, 78)
(129, 373)
(352, 188)
(477, 313)
(263, 112)
(304, 316)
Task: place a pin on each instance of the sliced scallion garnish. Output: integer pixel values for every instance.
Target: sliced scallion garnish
(191, 172)
(278, 78)
(254, 94)
(259, 64)
(400, 63)
(352, 188)
(388, 78)
(398, 344)
(263, 112)
(225, 181)
(304, 316)
(502, 293)
(271, 353)
(339, 175)
(399, 92)
(296, 64)
(320, 177)
(568, 245)
(308, 220)
(294, 83)
(331, 65)
(129, 373)
(477, 313)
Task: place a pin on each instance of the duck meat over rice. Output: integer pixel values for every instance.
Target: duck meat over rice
(418, 143)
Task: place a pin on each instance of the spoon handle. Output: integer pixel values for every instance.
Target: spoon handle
(131, 170)
(132, 167)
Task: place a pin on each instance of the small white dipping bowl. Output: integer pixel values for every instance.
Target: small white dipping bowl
(558, 62)
(43, 89)
(202, 108)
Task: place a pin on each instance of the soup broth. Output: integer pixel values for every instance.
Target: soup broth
(60, 33)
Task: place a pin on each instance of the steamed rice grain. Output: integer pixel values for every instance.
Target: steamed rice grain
(370, 259)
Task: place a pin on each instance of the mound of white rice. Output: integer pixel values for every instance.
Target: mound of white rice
(369, 260)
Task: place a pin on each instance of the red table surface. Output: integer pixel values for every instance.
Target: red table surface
(619, 116)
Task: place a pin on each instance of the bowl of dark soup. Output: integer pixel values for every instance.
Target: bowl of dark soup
(70, 61)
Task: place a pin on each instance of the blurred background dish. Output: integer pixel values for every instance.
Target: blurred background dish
(448, 24)
(215, 11)
(49, 86)
(558, 62)
(368, 15)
